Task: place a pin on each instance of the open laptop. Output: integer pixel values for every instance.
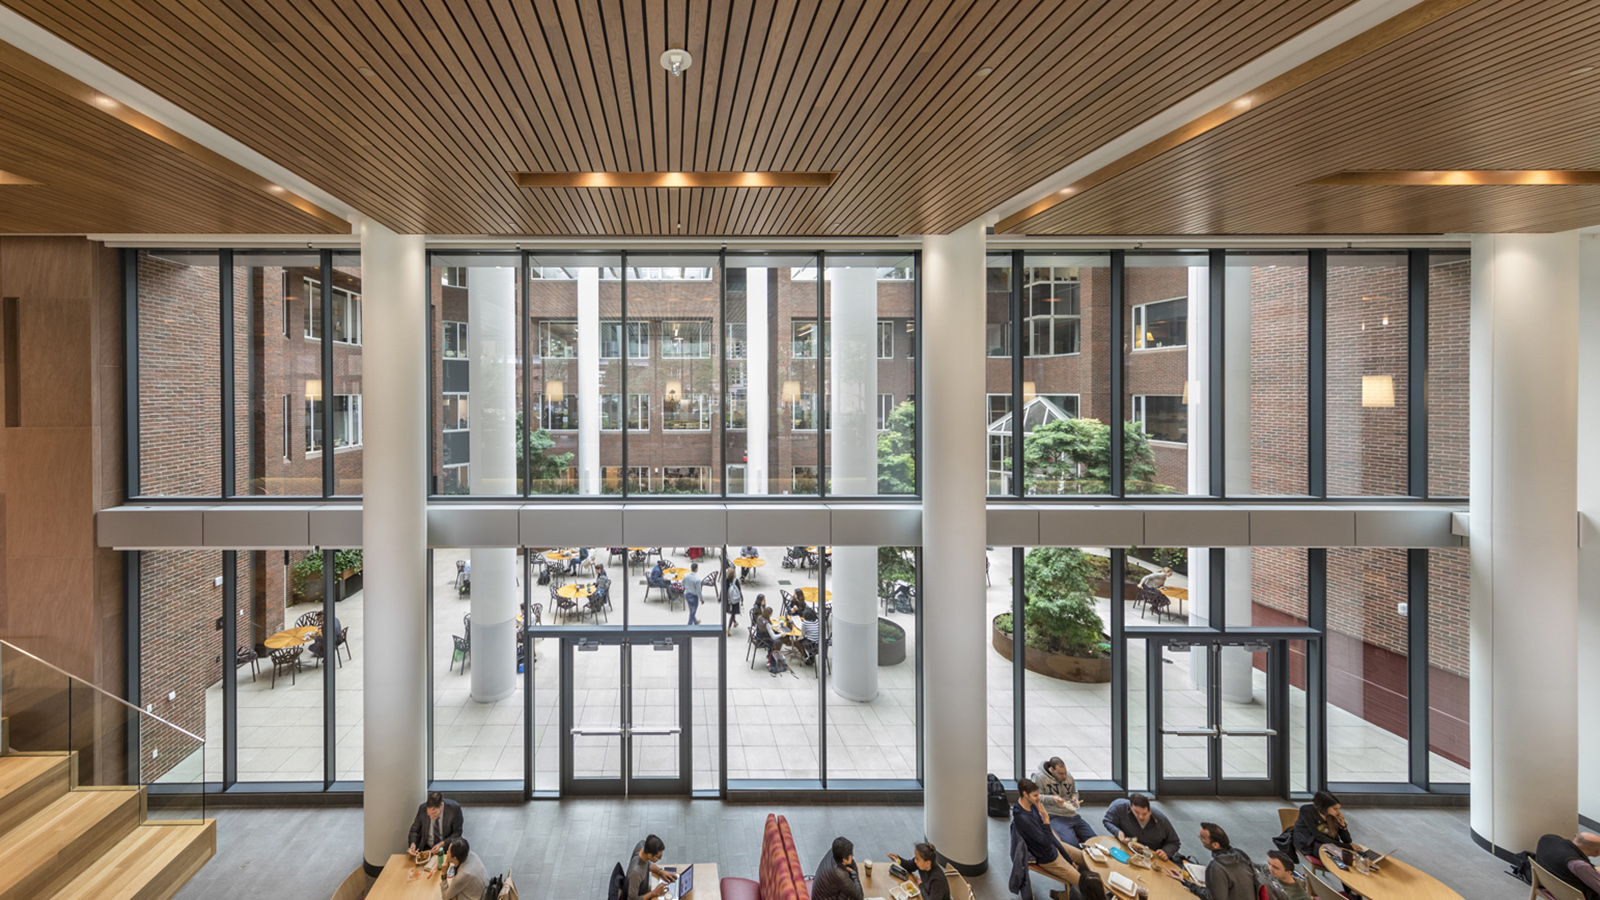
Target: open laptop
(682, 888)
(1375, 857)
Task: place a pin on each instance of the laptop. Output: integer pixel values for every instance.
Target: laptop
(1374, 857)
(683, 887)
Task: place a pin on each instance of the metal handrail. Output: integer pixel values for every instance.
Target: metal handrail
(110, 696)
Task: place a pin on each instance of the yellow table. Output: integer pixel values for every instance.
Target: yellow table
(676, 573)
(292, 637)
(561, 555)
(396, 881)
(1179, 594)
(1161, 885)
(827, 550)
(749, 562)
(786, 627)
(1394, 880)
(879, 883)
(575, 591)
(801, 592)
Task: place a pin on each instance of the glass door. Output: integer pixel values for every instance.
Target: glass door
(624, 715)
(1217, 716)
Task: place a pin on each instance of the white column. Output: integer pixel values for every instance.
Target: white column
(1589, 518)
(1524, 585)
(492, 314)
(1238, 665)
(757, 358)
(589, 379)
(1197, 385)
(394, 523)
(852, 407)
(955, 480)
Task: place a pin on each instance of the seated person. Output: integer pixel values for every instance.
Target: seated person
(465, 875)
(1059, 791)
(1133, 819)
(1321, 822)
(1568, 860)
(795, 605)
(926, 871)
(319, 643)
(438, 822)
(642, 864)
(748, 553)
(1229, 876)
(657, 577)
(836, 877)
(1283, 882)
(1057, 860)
(602, 582)
(810, 631)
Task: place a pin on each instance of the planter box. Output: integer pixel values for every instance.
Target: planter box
(1055, 665)
(891, 653)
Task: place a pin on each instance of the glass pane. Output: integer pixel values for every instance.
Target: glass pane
(1184, 707)
(1165, 585)
(675, 302)
(772, 697)
(1245, 701)
(1367, 407)
(1448, 666)
(546, 713)
(662, 580)
(478, 660)
(280, 712)
(1066, 397)
(179, 599)
(772, 380)
(656, 717)
(997, 377)
(1138, 717)
(1165, 359)
(477, 380)
(1299, 747)
(999, 668)
(1449, 374)
(346, 328)
(875, 315)
(869, 617)
(1067, 684)
(597, 708)
(278, 367)
(1367, 649)
(705, 689)
(1264, 364)
(1275, 580)
(179, 364)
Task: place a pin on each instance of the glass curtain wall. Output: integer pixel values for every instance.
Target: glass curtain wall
(1367, 372)
(770, 346)
(1167, 352)
(1065, 305)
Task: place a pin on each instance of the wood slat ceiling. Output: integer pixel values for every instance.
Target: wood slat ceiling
(1496, 85)
(462, 94)
(97, 174)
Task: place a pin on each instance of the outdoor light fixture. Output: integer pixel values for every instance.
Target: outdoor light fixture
(1377, 390)
(555, 391)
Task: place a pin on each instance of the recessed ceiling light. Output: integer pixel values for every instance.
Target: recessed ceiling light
(367, 72)
(674, 179)
(986, 70)
(1453, 177)
(13, 178)
(1583, 71)
(676, 61)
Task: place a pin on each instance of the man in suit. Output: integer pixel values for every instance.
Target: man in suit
(438, 822)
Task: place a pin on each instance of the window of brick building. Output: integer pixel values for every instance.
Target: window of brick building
(685, 340)
(1163, 417)
(685, 412)
(1164, 323)
(455, 340)
(734, 347)
(557, 340)
(803, 479)
(1051, 317)
(685, 479)
(885, 339)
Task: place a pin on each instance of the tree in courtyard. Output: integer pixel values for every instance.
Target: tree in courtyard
(1059, 604)
(549, 472)
(1074, 456)
(897, 465)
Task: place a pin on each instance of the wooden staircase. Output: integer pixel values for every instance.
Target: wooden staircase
(66, 842)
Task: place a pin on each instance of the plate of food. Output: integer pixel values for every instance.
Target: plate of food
(1095, 855)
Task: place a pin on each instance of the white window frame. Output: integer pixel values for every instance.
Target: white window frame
(735, 345)
(638, 403)
(701, 474)
(313, 427)
(621, 413)
(352, 416)
(342, 297)
(672, 337)
(794, 477)
(1140, 416)
(804, 401)
(993, 414)
(571, 351)
(738, 398)
(453, 276)
(1141, 316)
(885, 407)
(569, 400)
(886, 339)
(794, 340)
(704, 401)
(638, 339)
(459, 331)
(744, 478)
(288, 451)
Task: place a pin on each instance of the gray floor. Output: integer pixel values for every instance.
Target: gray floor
(565, 850)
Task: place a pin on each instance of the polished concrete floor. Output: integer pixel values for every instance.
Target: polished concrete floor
(565, 849)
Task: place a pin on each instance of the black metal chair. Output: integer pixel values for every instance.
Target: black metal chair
(286, 660)
(462, 653)
(242, 655)
(344, 641)
(759, 640)
(309, 620)
(596, 606)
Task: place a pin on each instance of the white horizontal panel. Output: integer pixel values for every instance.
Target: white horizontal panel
(336, 526)
(880, 525)
(674, 526)
(573, 525)
(1402, 526)
(1302, 527)
(1187, 526)
(778, 525)
(1090, 526)
(471, 525)
(150, 527)
(258, 527)
(1012, 526)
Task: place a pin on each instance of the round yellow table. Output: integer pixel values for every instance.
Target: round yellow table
(575, 591)
(749, 562)
(675, 572)
(292, 637)
(827, 550)
(561, 555)
(803, 591)
(1393, 879)
(1179, 594)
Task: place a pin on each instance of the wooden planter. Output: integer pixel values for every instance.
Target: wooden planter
(1055, 665)
(892, 653)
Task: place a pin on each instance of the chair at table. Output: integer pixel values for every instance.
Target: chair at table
(463, 652)
(344, 641)
(1154, 601)
(286, 660)
(309, 620)
(537, 611)
(564, 607)
(759, 641)
(596, 607)
(242, 655)
(1321, 890)
(1548, 887)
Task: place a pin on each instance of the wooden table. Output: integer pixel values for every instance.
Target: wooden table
(786, 627)
(1394, 879)
(707, 886)
(802, 591)
(881, 882)
(292, 637)
(561, 555)
(676, 573)
(393, 883)
(749, 564)
(575, 591)
(1161, 885)
(1179, 594)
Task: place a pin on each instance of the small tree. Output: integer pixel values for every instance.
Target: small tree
(1075, 454)
(551, 470)
(1058, 603)
(897, 466)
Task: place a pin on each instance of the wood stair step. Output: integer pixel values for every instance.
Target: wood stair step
(152, 863)
(30, 783)
(60, 840)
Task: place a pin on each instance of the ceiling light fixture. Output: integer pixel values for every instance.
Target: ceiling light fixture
(13, 178)
(986, 70)
(367, 72)
(674, 179)
(676, 61)
(1455, 177)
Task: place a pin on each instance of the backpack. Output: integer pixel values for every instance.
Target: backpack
(999, 807)
(544, 575)
(1522, 867)
(491, 891)
(775, 663)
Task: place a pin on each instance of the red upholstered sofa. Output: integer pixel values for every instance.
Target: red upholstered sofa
(782, 878)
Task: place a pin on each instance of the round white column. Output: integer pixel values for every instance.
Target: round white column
(1589, 521)
(589, 380)
(491, 352)
(757, 358)
(1524, 586)
(954, 639)
(853, 408)
(1238, 664)
(394, 523)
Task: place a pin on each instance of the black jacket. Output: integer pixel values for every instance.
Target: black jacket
(934, 884)
(450, 822)
(835, 882)
(1158, 835)
(1554, 853)
(1311, 831)
(1036, 836)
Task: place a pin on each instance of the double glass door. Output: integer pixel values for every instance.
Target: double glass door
(1218, 716)
(624, 716)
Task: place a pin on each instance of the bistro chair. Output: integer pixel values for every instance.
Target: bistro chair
(537, 610)
(565, 607)
(759, 640)
(344, 641)
(242, 655)
(1549, 887)
(596, 607)
(462, 653)
(285, 660)
(310, 619)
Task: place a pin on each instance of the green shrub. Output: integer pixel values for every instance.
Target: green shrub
(888, 632)
(1059, 603)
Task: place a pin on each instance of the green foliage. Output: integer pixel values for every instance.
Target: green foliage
(1131, 571)
(1073, 456)
(896, 445)
(895, 564)
(888, 632)
(550, 472)
(1175, 558)
(1059, 604)
(309, 568)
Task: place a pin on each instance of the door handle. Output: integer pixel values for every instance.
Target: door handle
(672, 730)
(1251, 732)
(1191, 732)
(605, 732)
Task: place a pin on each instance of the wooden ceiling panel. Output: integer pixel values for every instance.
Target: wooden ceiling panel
(417, 112)
(1498, 84)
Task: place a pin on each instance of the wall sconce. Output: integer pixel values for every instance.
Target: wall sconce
(313, 389)
(554, 391)
(674, 390)
(1186, 390)
(1377, 390)
(1029, 392)
(791, 391)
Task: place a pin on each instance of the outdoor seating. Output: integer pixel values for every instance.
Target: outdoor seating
(463, 651)
(344, 641)
(537, 612)
(759, 641)
(310, 619)
(286, 660)
(242, 655)
(596, 606)
(564, 607)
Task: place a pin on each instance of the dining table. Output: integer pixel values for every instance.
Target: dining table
(560, 555)
(749, 564)
(1161, 885)
(1392, 880)
(809, 595)
(292, 637)
(1179, 594)
(403, 879)
(576, 590)
(676, 573)
(877, 881)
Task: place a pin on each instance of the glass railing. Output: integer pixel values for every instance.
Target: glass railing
(111, 742)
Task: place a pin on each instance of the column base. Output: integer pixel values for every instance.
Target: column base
(967, 870)
(1502, 853)
(374, 871)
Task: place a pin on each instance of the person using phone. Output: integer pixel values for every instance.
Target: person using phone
(1321, 823)
(1059, 791)
(926, 872)
(465, 874)
(437, 823)
(1059, 861)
